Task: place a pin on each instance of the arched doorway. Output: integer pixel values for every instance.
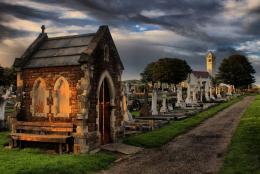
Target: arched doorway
(105, 113)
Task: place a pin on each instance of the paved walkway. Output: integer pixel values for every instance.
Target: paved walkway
(199, 151)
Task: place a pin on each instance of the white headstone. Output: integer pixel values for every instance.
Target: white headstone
(180, 102)
(194, 96)
(211, 94)
(188, 98)
(3, 101)
(207, 91)
(154, 103)
(163, 109)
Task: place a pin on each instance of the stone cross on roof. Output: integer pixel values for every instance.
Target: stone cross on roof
(43, 28)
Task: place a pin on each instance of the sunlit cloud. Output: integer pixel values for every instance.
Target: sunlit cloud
(74, 15)
(23, 24)
(250, 46)
(62, 12)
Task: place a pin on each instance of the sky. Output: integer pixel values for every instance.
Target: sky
(143, 30)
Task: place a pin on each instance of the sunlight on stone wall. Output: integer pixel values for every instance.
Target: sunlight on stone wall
(39, 94)
(61, 98)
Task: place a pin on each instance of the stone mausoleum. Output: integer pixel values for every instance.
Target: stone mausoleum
(73, 79)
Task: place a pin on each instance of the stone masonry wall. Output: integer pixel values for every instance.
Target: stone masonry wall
(71, 73)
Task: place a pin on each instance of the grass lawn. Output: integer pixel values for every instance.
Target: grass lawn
(135, 113)
(9, 110)
(243, 156)
(30, 161)
(165, 134)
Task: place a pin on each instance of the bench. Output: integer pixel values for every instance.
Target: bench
(49, 132)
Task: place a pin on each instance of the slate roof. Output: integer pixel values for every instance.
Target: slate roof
(60, 51)
(201, 74)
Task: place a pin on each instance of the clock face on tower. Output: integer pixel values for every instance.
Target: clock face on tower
(209, 60)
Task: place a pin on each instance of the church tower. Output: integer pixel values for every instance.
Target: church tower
(211, 62)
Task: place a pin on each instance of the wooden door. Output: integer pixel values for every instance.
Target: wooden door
(104, 113)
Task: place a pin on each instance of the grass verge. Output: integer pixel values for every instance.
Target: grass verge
(30, 161)
(9, 110)
(165, 134)
(135, 113)
(243, 156)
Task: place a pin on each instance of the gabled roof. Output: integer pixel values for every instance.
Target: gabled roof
(61, 51)
(201, 74)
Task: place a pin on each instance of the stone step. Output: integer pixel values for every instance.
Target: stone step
(121, 148)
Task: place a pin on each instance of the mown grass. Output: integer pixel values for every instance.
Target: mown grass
(165, 134)
(9, 110)
(243, 156)
(135, 113)
(30, 161)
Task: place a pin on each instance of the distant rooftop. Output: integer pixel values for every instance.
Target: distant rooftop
(201, 74)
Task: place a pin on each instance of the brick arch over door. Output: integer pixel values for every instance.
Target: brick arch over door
(39, 96)
(61, 98)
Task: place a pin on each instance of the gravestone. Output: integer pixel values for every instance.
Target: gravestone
(127, 115)
(194, 95)
(180, 102)
(218, 93)
(163, 109)
(207, 90)
(154, 103)
(3, 100)
(211, 94)
(188, 98)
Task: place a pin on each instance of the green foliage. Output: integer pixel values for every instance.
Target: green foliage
(168, 70)
(165, 134)
(29, 161)
(135, 113)
(236, 70)
(243, 156)
(9, 110)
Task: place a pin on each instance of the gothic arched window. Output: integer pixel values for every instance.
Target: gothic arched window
(39, 94)
(61, 97)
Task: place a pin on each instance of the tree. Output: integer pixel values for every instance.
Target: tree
(236, 70)
(167, 70)
(7, 76)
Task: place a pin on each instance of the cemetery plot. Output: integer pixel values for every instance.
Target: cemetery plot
(161, 136)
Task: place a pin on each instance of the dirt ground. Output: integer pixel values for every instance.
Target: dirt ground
(201, 150)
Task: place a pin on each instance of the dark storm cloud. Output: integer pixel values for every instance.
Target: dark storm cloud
(188, 18)
(23, 12)
(185, 17)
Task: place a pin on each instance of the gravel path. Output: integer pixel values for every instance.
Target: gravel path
(201, 150)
